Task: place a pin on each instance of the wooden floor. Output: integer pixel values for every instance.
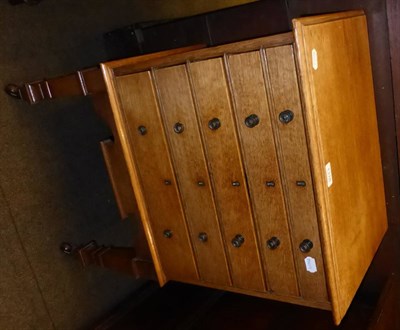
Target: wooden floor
(179, 306)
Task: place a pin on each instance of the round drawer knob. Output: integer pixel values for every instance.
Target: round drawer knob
(142, 130)
(167, 233)
(306, 246)
(252, 121)
(286, 116)
(214, 124)
(179, 128)
(273, 243)
(203, 237)
(237, 241)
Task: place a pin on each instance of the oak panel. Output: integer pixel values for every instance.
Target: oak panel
(295, 167)
(261, 164)
(213, 101)
(341, 117)
(123, 67)
(156, 176)
(192, 174)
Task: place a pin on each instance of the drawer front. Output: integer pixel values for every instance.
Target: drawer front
(183, 134)
(262, 169)
(222, 150)
(156, 177)
(288, 122)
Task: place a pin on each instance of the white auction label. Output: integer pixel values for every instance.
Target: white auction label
(311, 265)
(329, 177)
(314, 57)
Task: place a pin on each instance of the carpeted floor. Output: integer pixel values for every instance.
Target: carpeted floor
(53, 184)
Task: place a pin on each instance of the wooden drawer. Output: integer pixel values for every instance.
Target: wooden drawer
(295, 170)
(262, 168)
(220, 139)
(155, 177)
(192, 173)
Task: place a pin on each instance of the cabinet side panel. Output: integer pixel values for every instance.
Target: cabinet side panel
(157, 181)
(191, 169)
(262, 171)
(213, 104)
(296, 173)
(336, 77)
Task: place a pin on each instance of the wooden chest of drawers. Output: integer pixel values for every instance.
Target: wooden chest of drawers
(256, 165)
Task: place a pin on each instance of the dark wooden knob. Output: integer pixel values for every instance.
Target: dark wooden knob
(179, 128)
(252, 121)
(167, 233)
(203, 237)
(273, 243)
(237, 241)
(214, 124)
(286, 116)
(306, 246)
(142, 130)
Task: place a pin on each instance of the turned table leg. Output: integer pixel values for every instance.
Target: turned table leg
(120, 259)
(83, 82)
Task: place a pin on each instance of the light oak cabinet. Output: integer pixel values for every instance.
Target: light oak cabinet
(256, 165)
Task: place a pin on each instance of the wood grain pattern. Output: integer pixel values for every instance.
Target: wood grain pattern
(154, 168)
(213, 101)
(244, 46)
(261, 164)
(69, 85)
(378, 14)
(342, 128)
(93, 80)
(336, 124)
(133, 62)
(82, 82)
(122, 129)
(326, 18)
(295, 167)
(191, 168)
